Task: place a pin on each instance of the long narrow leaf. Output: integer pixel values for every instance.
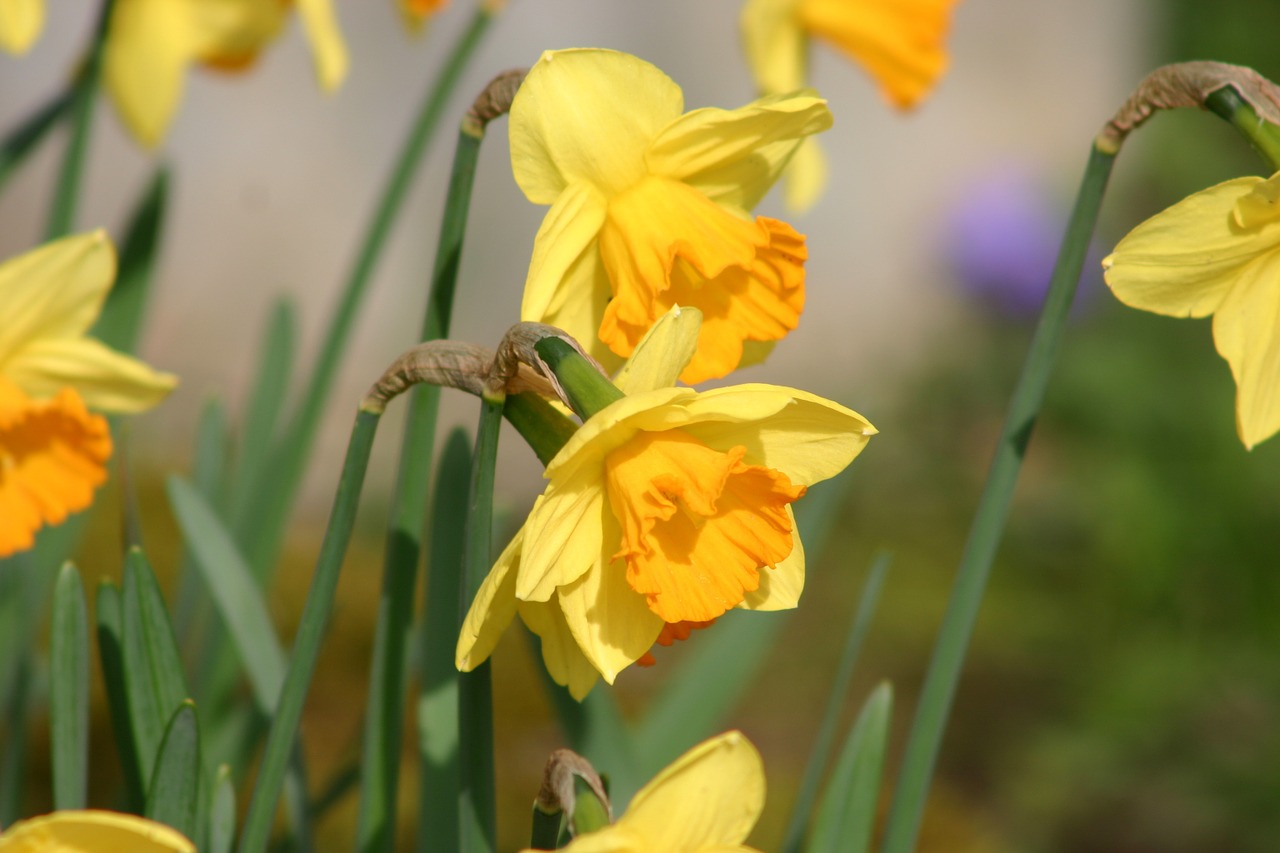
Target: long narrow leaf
(13, 759)
(174, 794)
(222, 812)
(69, 691)
(122, 314)
(847, 814)
(26, 136)
(108, 610)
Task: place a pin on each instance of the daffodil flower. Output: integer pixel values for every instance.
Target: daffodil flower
(91, 831)
(649, 207)
(53, 451)
(151, 43)
(901, 43)
(1217, 253)
(20, 24)
(707, 801)
(415, 13)
(665, 508)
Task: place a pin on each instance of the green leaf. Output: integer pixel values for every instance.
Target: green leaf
(154, 683)
(847, 814)
(825, 740)
(236, 594)
(25, 137)
(69, 691)
(173, 797)
(13, 759)
(222, 812)
(124, 310)
(108, 610)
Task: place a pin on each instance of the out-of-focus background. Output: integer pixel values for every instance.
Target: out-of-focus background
(1121, 693)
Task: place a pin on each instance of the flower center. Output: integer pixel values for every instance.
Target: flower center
(697, 524)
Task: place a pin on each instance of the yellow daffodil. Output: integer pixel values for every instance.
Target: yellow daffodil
(901, 43)
(92, 831)
(1217, 253)
(665, 508)
(20, 24)
(649, 207)
(415, 13)
(152, 42)
(52, 450)
(707, 801)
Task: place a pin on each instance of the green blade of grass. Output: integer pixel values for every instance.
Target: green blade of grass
(13, 759)
(69, 691)
(825, 739)
(108, 610)
(438, 693)
(847, 814)
(174, 793)
(24, 138)
(122, 314)
(921, 754)
(477, 812)
(222, 812)
(311, 629)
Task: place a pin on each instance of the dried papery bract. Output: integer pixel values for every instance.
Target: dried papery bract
(559, 795)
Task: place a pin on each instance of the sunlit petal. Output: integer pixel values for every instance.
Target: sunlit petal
(1246, 331)
(20, 24)
(491, 610)
(328, 48)
(775, 44)
(107, 380)
(663, 353)
(92, 832)
(565, 522)
(145, 64)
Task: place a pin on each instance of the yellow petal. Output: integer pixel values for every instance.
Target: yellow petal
(107, 380)
(328, 49)
(734, 156)
(710, 796)
(566, 285)
(587, 116)
(20, 24)
(610, 621)
(562, 533)
(491, 610)
(1183, 261)
(1246, 331)
(565, 662)
(612, 427)
(663, 353)
(608, 839)
(54, 291)
(806, 177)
(145, 64)
(92, 832)
(780, 586)
(902, 44)
(774, 44)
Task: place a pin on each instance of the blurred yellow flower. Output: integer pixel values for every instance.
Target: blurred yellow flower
(52, 450)
(1217, 253)
(20, 24)
(649, 207)
(416, 12)
(152, 42)
(707, 801)
(901, 43)
(665, 508)
(92, 832)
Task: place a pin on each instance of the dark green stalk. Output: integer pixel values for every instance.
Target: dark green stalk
(934, 706)
(278, 483)
(1262, 135)
(543, 426)
(67, 193)
(478, 820)
(384, 716)
(23, 139)
(588, 390)
(311, 629)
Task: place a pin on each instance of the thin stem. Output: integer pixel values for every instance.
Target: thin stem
(279, 482)
(932, 711)
(62, 215)
(478, 821)
(1262, 135)
(311, 629)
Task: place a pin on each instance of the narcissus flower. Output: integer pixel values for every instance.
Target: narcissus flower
(52, 450)
(415, 13)
(901, 43)
(649, 207)
(707, 801)
(91, 831)
(151, 43)
(20, 24)
(1217, 253)
(665, 508)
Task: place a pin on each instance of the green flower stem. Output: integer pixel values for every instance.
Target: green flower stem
(23, 139)
(934, 706)
(384, 717)
(311, 629)
(545, 831)
(588, 390)
(278, 483)
(66, 196)
(543, 426)
(477, 813)
(1264, 136)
